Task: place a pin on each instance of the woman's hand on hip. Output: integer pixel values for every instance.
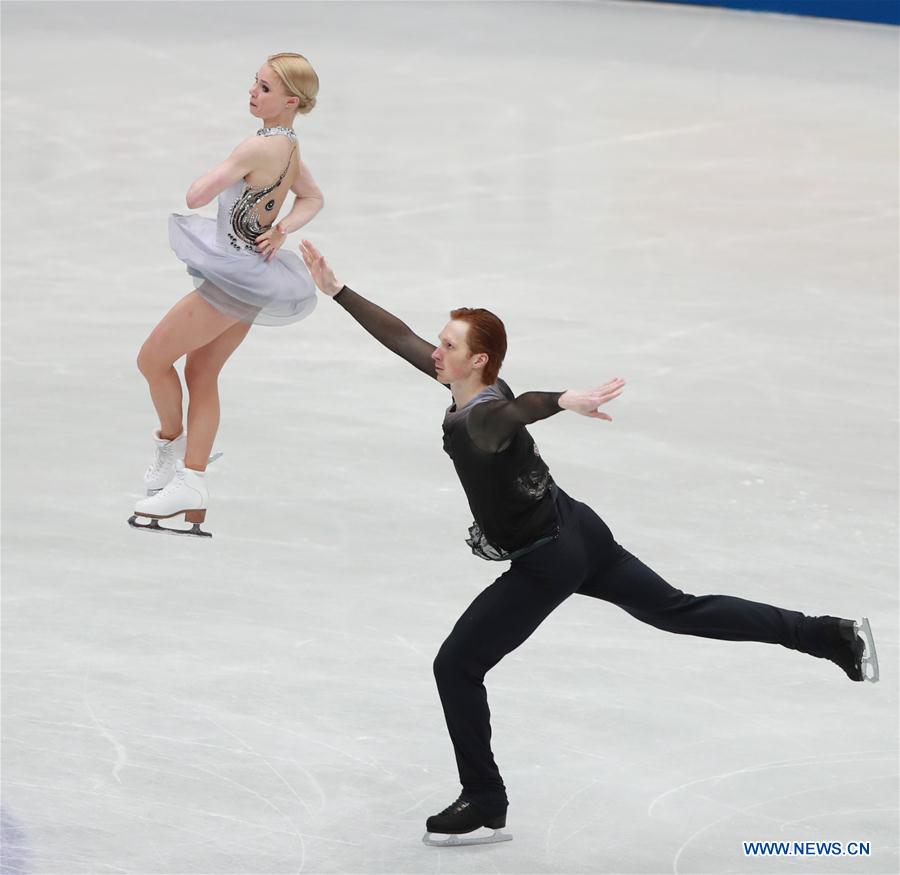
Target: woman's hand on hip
(269, 243)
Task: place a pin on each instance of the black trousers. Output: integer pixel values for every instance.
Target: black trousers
(586, 560)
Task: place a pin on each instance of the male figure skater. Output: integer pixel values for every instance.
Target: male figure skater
(557, 546)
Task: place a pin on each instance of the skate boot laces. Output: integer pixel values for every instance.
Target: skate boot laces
(455, 807)
(176, 481)
(161, 460)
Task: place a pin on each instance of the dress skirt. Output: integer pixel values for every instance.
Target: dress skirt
(242, 283)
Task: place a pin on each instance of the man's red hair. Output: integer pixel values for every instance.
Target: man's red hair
(486, 334)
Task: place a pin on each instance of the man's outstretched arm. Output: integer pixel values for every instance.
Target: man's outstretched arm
(493, 423)
(386, 328)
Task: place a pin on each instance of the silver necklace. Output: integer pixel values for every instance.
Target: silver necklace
(276, 129)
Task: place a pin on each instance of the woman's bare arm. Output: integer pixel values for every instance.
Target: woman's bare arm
(236, 166)
(308, 202)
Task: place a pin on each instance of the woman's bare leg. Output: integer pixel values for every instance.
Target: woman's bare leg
(201, 372)
(190, 324)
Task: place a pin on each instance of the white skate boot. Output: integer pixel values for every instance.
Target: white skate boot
(162, 468)
(185, 493)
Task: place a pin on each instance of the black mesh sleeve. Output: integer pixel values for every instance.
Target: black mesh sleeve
(388, 330)
(493, 423)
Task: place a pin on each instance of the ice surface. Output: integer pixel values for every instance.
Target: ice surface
(703, 202)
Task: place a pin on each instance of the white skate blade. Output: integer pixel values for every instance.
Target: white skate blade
(870, 657)
(469, 838)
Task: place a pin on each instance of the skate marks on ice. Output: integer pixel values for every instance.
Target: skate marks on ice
(235, 824)
(751, 816)
(120, 750)
(548, 845)
(14, 850)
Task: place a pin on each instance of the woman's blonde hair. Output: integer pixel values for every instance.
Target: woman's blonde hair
(298, 78)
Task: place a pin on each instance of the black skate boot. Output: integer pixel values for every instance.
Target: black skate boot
(464, 817)
(851, 646)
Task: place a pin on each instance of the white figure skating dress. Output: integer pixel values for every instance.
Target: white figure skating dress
(228, 270)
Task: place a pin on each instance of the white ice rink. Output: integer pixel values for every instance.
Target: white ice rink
(701, 201)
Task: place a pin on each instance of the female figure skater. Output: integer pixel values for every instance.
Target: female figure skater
(558, 546)
(241, 279)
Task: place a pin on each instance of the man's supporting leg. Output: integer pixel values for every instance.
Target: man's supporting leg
(501, 618)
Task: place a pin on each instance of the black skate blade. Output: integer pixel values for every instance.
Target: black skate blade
(154, 526)
(457, 841)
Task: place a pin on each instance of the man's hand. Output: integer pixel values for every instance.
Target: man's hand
(321, 271)
(589, 403)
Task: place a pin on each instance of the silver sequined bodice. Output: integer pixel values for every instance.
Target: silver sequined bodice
(238, 222)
